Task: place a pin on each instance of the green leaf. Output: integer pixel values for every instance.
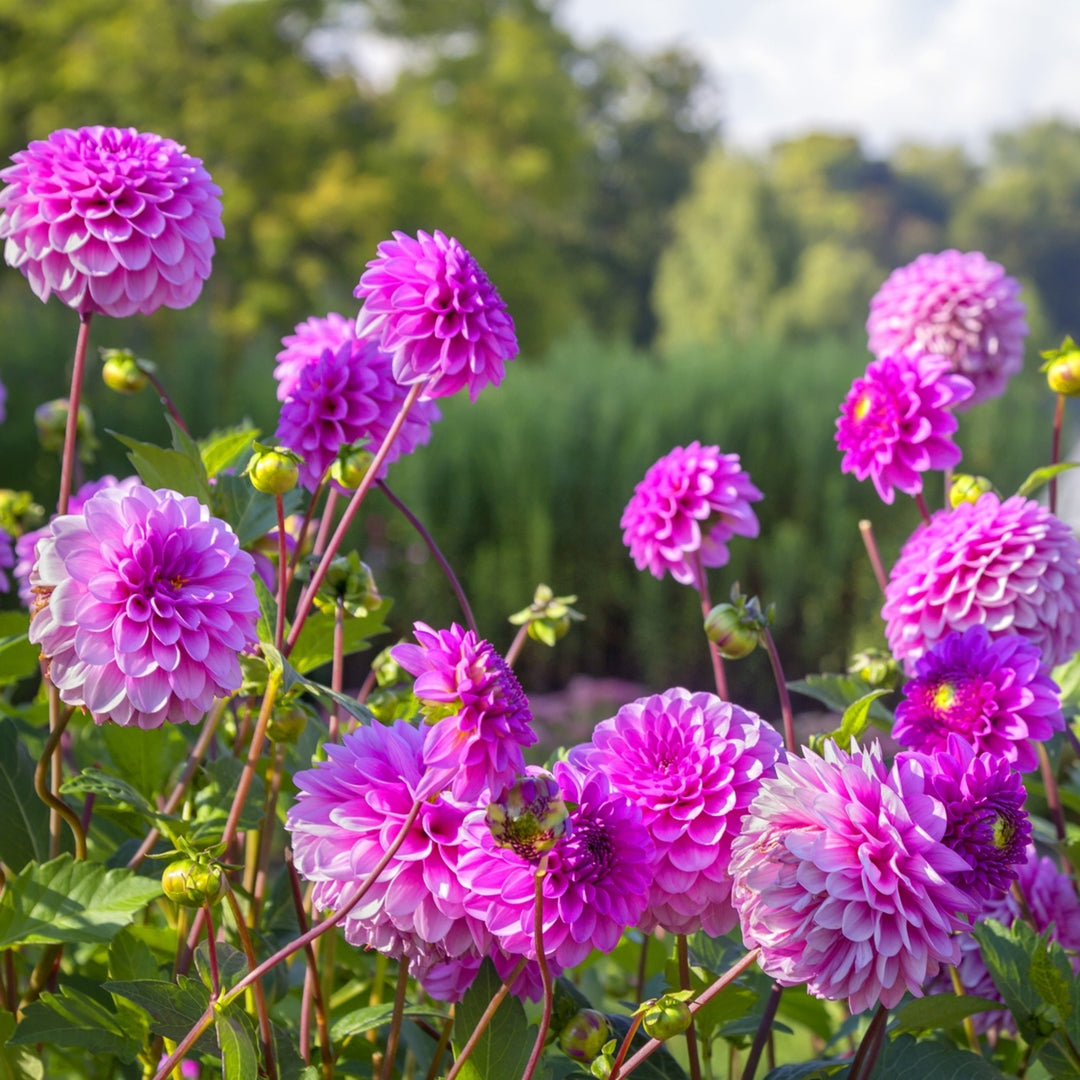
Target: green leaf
(131, 958)
(162, 468)
(145, 759)
(807, 1070)
(503, 1049)
(941, 1011)
(232, 964)
(212, 801)
(375, 1016)
(315, 645)
(109, 789)
(15, 1062)
(855, 721)
(840, 691)
(251, 513)
(291, 677)
(220, 449)
(1044, 476)
(905, 1058)
(801, 1007)
(239, 1061)
(68, 901)
(72, 1019)
(25, 833)
(19, 657)
(174, 1008)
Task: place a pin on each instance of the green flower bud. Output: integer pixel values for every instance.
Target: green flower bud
(193, 882)
(123, 371)
(968, 489)
(1062, 368)
(584, 1035)
(548, 617)
(50, 420)
(351, 465)
(666, 1017)
(287, 722)
(347, 580)
(530, 817)
(273, 470)
(875, 667)
(19, 513)
(734, 633)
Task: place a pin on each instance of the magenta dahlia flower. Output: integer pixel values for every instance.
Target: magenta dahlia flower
(691, 763)
(996, 693)
(308, 341)
(7, 560)
(960, 306)
(597, 880)
(895, 422)
(1010, 566)
(146, 602)
(428, 303)
(112, 220)
(842, 879)
(481, 716)
(693, 500)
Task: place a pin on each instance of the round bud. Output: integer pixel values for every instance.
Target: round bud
(122, 372)
(734, 633)
(1063, 374)
(968, 489)
(350, 467)
(530, 817)
(584, 1035)
(273, 471)
(287, 722)
(876, 667)
(666, 1017)
(192, 882)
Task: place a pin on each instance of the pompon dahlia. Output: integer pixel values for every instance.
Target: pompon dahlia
(691, 763)
(960, 306)
(146, 602)
(1010, 566)
(428, 303)
(895, 422)
(987, 825)
(348, 811)
(112, 220)
(997, 694)
(308, 341)
(597, 880)
(482, 720)
(692, 500)
(842, 879)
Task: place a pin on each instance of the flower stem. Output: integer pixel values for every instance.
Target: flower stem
(969, 1024)
(516, 645)
(706, 606)
(761, 1037)
(624, 1046)
(445, 566)
(387, 1070)
(266, 830)
(920, 502)
(866, 529)
(337, 672)
(211, 952)
(485, 1019)
(164, 398)
(71, 432)
(545, 972)
(1053, 793)
(866, 1056)
(265, 1030)
(42, 777)
(440, 1046)
(1055, 448)
(283, 575)
(782, 690)
(682, 951)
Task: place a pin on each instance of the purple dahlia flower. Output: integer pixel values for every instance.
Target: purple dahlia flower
(308, 341)
(691, 763)
(481, 716)
(842, 879)
(428, 304)
(1010, 566)
(960, 306)
(996, 693)
(112, 220)
(895, 422)
(146, 602)
(7, 560)
(692, 500)
(597, 880)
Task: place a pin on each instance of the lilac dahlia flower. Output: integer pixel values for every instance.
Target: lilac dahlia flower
(691, 763)
(481, 716)
(692, 501)
(428, 303)
(597, 880)
(144, 602)
(895, 422)
(996, 693)
(842, 879)
(112, 220)
(960, 306)
(1010, 566)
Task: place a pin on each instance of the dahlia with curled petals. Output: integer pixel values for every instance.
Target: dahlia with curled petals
(111, 220)
(691, 502)
(146, 602)
(995, 693)
(960, 306)
(428, 303)
(896, 423)
(481, 717)
(691, 763)
(596, 884)
(1010, 566)
(842, 879)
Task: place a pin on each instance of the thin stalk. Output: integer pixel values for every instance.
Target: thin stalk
(969, 1024)
(301, 537)
(306, 1008)
(761, 1036)
(866, 1056)
(624, 1046)
(643, 962)
(44, 791)
(337, 671)
(866, 529)
(682, 951)
(1055, 448)
(920, 502)
(266, 831)
(485, 1019)
(266, 1032)
(211, 952)
(428, 539)
(516, 645)
(1053, 793)
(440, 1046)
(782, 690)
(283, 575)
(702, 583)
(164, 398)
(71, 431)
(326, 522)
(545, 972)
(395, 1022)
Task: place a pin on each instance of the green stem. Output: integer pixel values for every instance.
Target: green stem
(682, 950)
(42, 776)
(395, 1023)
(283, 575)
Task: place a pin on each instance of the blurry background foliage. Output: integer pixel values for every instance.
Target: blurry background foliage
(665, 289)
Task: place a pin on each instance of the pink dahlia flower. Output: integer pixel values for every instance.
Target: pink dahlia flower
(308, 341)
(996, 693)
(146, 602)
(691, 763)
(895, 422)
(482, 717)
(112, 220)
(428, 304)
(597, 880)
(842, 879)
(692, 501)
(1010, 566)
(962, 307)
(348, 811)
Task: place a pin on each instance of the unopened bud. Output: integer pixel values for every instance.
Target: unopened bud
(348, 581)
(287, 722)
(1062, 368)
(666, 1018)
(273, 470)
(584, 1035)
(968, 489)
(734, 632)
(529, 817)
(875, 667)
(193, 882)
(123, 372)
(350, 466)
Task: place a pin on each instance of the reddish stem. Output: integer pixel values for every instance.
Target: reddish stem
(283, 575)
(706, 606)
(545, 973)
(920, 502)
(71, 431)
(782, 690)
(1055, 448)
(866, 529)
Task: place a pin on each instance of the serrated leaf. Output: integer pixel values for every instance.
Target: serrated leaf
(109, 789)
(239, 1061)
(941, 1011)
(905, 1058)
(232, 964)
(315, 644)
(375, 1016)
(144, 759)
(159, 467)
(1044, 476)
(68, 901)
(838, 692)
(131, 958)
(220, 449)
(72, 1019)
(1050, 984)
(19, 657)
(25, 833)
(503, 1049)
(174, 1008)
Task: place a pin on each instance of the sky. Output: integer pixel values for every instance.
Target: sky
(933, 71)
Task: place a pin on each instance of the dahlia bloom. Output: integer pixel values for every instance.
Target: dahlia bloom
(428, 303)
(597, 880)
(482, 717)
(112, 220)
(997, 694)
(1010, 566)
(146, 602)
(960, 306)
(7, 560)
(692, 500)
(691, 763)
(895, 422)
(842, 879)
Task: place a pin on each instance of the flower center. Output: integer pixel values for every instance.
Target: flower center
(863, 406)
